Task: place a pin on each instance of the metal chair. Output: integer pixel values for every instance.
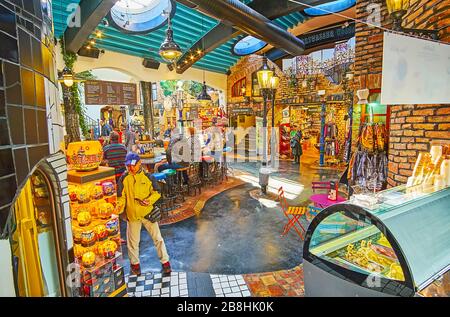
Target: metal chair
(293, 214)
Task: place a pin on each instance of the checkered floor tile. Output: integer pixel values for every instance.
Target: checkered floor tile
(230, 286)
(157, 285)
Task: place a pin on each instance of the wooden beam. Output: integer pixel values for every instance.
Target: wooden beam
(92, 13)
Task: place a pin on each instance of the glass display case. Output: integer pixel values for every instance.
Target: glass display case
(399, 248)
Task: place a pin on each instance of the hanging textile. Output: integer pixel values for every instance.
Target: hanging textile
(368, 166)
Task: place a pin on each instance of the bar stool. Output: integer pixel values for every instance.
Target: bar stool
(206, 170)
(181, 187)
(171, 194)
(224, 162)
(195, 181)
(165, 203)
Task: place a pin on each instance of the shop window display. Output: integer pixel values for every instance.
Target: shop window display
(34, 245)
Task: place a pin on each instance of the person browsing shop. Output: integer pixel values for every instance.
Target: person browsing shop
(137, 198)
(114, 155)
(296, 144)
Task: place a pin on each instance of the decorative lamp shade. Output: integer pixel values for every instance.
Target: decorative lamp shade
(362, 94)
(274, 81)
(169, 50)
(204, 97)
(67, 77)
(397, 5)
(265, 75)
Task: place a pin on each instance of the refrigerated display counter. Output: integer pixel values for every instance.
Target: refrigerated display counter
(399, 248)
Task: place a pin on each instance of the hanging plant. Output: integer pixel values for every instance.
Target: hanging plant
(73, 106)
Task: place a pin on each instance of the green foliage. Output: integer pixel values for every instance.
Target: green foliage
(69, 60)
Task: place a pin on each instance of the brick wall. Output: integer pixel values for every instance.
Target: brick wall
(412, 126)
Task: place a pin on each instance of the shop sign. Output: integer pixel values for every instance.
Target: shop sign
(242, 111)
(109, 93)
(335, 34)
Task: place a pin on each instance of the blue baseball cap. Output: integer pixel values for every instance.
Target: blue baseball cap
(132, 159)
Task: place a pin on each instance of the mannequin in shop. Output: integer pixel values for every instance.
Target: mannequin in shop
(130, 137)
(105, 129)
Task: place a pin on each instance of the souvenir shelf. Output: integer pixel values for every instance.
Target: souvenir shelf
(96, 232)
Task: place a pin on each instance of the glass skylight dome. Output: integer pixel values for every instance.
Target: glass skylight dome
(248, 45)
(330, 7)
(140, 16)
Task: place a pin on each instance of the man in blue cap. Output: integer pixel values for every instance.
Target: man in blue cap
(137, 197)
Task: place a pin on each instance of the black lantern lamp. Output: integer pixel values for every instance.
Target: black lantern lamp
(204, 97)
(397, 9)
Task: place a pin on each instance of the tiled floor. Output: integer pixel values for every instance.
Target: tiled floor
(182, 284)
(158, 285)
(277, 284)
(230, 286)
(194, 205)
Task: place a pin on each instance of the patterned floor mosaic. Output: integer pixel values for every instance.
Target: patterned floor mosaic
(277, 284)
(182, 284)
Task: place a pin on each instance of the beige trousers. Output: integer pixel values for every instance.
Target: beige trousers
(134, 237)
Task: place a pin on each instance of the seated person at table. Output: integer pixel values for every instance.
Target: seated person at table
(168, 162)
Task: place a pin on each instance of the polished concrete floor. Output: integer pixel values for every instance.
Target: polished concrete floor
(235, 233)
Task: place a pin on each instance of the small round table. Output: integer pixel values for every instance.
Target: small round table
(322, 201)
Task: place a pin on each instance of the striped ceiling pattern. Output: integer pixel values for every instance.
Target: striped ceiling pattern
(189, 26)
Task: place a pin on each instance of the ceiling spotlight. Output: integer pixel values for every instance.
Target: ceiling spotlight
(88, 47)
(199, 51)
(92, 42)
(192, 57)
(99, 34)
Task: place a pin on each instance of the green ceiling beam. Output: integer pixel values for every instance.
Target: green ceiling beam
(92, 13)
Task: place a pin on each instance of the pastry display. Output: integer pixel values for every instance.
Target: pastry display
(101, 232)
(105, 210)
(395, 272)
(88, 259)
(84, 218)
(88, 238)
(370, 256)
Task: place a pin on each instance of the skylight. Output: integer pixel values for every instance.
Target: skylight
(140, 16)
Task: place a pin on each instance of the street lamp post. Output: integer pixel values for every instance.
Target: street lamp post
(265, 75)
(274, 82)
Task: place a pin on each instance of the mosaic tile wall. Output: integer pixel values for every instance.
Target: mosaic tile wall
(27, 91)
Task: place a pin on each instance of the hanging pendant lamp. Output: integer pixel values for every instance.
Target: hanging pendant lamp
(169, 50)
(204, 97)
